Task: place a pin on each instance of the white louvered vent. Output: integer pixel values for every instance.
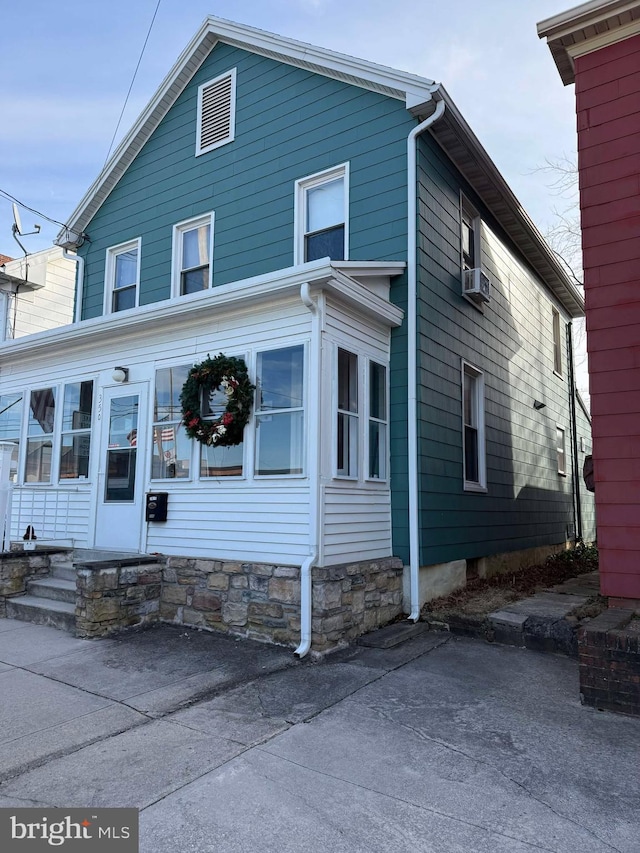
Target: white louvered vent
(216, 112)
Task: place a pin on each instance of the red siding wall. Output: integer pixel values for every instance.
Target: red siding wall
(608, 106)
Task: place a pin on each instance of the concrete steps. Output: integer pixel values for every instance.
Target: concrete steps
(43, 611)
(53, 589)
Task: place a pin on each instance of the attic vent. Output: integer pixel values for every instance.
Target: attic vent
(216, 112)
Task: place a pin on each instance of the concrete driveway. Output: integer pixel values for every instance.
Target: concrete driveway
(441, 744)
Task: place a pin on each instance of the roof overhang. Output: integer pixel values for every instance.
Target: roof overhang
(14, 283)
(586, 28)
(465, 150)
(322, 275)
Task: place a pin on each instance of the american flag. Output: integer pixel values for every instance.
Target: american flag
(166, 434)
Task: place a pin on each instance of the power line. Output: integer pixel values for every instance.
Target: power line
(133, 79)
(9, 197)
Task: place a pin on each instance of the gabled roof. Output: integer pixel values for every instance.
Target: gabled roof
(419, 96)
(588, 27)
(4, 259)
(411, 89)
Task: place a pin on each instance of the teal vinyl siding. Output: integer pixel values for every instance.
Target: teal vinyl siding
(526, 503)
(290, 123)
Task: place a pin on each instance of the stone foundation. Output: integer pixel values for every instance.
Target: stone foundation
(351, 599)
(254, 600)
(113, 597)
(609, 655)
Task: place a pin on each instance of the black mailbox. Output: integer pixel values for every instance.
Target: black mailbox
(156, 509)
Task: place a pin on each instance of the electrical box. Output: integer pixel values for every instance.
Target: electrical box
(156, 508)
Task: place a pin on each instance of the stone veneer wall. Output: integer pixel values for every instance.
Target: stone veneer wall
(353, 598)
(110, 598)
(16, 569)
(609, 656)
(262, 601)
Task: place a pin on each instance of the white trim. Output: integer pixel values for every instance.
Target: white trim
(300, 207)
(232, 114)
(179, 230)
(480, 485)
(369, 419)
(336, 475)
(110, 269)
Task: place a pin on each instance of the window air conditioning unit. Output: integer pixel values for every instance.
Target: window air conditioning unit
(476, 286)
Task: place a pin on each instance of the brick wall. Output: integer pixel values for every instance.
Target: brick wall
(609, 656)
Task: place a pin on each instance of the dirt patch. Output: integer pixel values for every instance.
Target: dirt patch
(484, 595)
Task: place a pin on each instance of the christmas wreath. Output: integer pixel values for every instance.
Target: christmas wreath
(230, 376)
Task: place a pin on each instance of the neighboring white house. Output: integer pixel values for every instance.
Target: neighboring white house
(36, 293)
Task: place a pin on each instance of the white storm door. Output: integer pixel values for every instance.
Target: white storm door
(120, 499)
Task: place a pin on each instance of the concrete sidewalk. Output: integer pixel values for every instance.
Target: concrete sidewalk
(440, 744)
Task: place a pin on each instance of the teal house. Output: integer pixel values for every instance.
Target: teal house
(334, 227)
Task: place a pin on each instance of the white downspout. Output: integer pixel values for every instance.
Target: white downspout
(80, 282)
(412, 357)
(313, 442)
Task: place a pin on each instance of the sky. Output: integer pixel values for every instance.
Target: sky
(66, 67)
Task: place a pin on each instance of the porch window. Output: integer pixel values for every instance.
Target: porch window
(170, 446)
(348, 417)
(377, 421)
(473, 428)
(42, 409)
(192, 253)
(76, 430)
(280, 412)
(10, 422)
(122, 276)
(322, 205)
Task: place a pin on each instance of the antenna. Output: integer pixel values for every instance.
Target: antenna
(16, 229)
(17, 224)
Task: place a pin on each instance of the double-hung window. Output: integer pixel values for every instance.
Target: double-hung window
(192, 254)
(10, 423)
(474, 462)
(122, 275)
(561, 450)
(280, 412)
(76, 430)
(470, 232)
(322, 216)
(348, 416)
(42, 410)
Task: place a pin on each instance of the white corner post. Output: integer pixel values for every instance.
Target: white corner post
(412, 354)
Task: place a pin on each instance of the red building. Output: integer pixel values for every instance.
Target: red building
(597, 47)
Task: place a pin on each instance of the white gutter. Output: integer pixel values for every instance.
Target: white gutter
(313, 442)
(412, 357)
(79, 282)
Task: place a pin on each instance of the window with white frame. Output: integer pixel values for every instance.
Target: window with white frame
(470, 225)
(557, 342)
(171, 448)
(192, 254)
(216, 112)
(75, 444)
(561, 450)
(348, 417)
(10, 427)
(279, 414)
(377, 421)
(40, 427)
(219, 461)
(322, 216)
(473, 428)
(122, 277)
